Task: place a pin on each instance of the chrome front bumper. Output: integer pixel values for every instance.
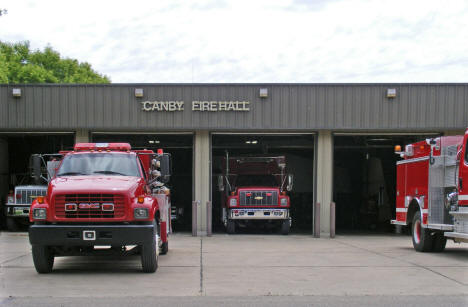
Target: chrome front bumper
(17, 211)
(259, 214)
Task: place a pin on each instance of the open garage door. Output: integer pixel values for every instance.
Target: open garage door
(364, 181)
(180, 146)
(299, 152)
(15, 150)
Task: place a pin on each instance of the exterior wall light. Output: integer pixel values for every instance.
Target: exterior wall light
(138, 92)
(16, 92)
(391, 92)
(263, 93)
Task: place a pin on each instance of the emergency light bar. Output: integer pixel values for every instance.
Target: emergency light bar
(102, 146)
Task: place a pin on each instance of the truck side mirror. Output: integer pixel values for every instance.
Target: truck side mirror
(220, 183)
(289, 187)
(52, 167)
(166, 167)
(36, 168)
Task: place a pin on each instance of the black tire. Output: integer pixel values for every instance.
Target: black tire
(164, 246)
(43, 258)
(285, 226)
(439, 242)
(421, 237)
(12, 225)
(149, 257)
(231, 227)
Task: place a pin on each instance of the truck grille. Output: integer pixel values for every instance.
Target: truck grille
(258, 198)
(28, 193)
(116, 199)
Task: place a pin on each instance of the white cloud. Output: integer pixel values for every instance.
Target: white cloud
(252, 41)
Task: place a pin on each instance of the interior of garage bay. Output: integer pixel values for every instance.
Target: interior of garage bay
(180, 146)
(15, 152)
(299, 152)
(364, 180)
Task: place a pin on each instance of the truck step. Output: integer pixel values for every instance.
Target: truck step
(447, 227)
(459, 213)
(461, 237)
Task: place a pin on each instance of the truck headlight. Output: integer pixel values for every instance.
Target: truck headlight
(40, 213)
(233, 202)
(140, 213)
(284, 201)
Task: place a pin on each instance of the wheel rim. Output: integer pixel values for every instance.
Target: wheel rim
(158, 236)
(417, 232)
(157, 245)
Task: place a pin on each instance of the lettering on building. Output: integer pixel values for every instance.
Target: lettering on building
(215, 106)
(170, 106)
(200, 106)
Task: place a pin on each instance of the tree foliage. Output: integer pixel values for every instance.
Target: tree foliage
(19, 64)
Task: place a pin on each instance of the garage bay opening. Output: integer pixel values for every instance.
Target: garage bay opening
(267, 164)
(17, 186)
(180, 146)
(364, 180)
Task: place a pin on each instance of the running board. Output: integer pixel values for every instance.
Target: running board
(457, 236)
(462, 213)
(445, 227)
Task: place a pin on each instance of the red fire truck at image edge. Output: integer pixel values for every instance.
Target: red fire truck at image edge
(432, 191)
(102, 199)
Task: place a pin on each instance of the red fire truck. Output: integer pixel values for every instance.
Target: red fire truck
(432, 191)
(103, 198)
(255, 190)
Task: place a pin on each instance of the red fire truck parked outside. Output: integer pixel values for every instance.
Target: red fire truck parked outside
(103, 198)
(432, 191)
(255, 191)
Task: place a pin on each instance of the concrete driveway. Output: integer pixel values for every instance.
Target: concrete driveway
(246, 265)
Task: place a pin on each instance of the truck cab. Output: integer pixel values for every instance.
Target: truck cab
(102, 198)
(255, 190)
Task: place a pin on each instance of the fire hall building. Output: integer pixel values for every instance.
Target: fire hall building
(338, 139)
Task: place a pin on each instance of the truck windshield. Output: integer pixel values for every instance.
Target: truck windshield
(99, 164)
(256, 180)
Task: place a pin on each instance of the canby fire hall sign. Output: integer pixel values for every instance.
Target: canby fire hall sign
(202, 106)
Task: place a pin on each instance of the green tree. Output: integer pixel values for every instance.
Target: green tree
(19, 64)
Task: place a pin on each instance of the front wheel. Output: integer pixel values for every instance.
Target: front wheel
(12, 225)
(43, 258)
(231, 227)
(285, 226)
(149, 256)
(163, 246)
(422, 239)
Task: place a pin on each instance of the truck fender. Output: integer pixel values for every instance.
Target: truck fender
(416, 204)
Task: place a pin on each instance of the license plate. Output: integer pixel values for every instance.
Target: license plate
(89, 235)
(21, 211)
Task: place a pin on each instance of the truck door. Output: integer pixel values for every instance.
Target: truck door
(463, 175)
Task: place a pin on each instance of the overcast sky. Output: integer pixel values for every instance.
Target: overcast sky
(251, 41)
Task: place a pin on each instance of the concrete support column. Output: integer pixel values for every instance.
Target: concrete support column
(82, 136)
(202, 167)
(324, 177)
